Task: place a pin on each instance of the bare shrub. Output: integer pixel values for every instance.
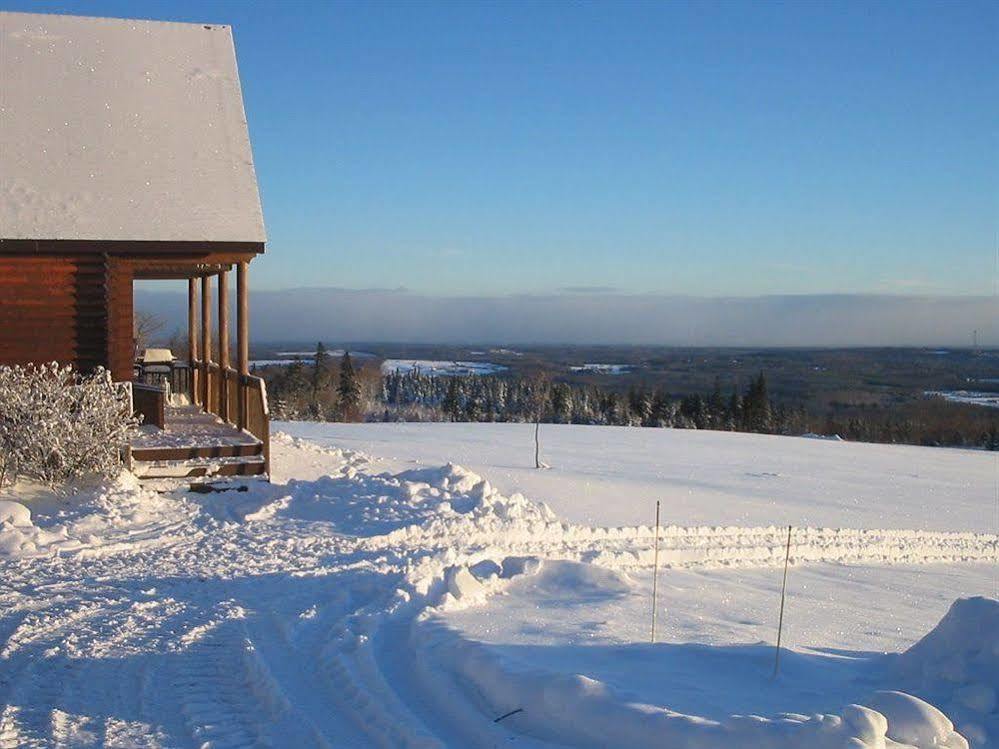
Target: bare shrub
(56, 424)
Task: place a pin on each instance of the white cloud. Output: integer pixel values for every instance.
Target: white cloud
(611, 318)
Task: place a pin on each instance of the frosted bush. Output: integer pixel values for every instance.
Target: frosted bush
(56, 424)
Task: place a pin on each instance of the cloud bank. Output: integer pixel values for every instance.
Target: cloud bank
(603, 316)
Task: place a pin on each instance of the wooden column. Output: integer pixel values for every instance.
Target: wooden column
(242, 337)
(192, 336)
(206, 338)
(223, 284)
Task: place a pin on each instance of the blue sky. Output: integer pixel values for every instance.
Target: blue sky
(669, 148)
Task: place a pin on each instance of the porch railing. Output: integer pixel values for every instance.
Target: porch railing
(236, 398)
(177, 373)
(149, 401)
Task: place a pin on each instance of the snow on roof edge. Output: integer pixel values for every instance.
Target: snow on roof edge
(167, 158)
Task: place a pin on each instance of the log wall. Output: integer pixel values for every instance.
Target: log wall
(74, 309)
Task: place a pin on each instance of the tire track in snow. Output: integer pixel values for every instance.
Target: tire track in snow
(27, 720)
(765, 547)
(214, 696)
(708, 547)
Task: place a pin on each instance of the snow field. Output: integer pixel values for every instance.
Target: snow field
(318, 611)
(612, 476)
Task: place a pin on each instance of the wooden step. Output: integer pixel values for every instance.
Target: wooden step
(249, 465)
(197, 451)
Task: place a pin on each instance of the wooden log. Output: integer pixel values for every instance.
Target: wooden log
(192, 337)
(223, 284)
(242, 339)
(206, 337)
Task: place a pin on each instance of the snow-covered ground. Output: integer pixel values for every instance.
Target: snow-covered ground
(284, 358)
(367, 599)
(612, 476)
(613, 369)
(972, 397)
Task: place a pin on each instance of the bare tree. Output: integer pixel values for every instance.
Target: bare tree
(539, 399)
(146, 325)
(537, 443)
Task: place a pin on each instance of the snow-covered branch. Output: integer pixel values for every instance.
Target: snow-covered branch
(56, 424)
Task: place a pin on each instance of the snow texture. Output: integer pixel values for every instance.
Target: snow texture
(115, 129)
(318, 611)
(612, 476)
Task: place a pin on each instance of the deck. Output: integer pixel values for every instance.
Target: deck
(192, 444)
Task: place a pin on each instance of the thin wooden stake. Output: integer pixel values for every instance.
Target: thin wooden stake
(655, 575)
(537, 443)
(783, 591)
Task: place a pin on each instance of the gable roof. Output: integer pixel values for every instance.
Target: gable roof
(122, 130)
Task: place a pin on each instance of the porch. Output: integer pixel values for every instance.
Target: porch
(202, 417)
(196, 444)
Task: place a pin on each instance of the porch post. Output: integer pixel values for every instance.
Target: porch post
(223, 283)
(192, 338)
(242, 336)
(206, 338)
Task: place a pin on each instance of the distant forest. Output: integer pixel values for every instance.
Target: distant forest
(328, 389)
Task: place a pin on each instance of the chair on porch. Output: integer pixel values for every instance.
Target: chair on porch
(156, 367)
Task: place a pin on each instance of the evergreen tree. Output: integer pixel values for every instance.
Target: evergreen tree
(757, 415)
(561, 398)
(349, 391)
(662, 412)
(692, 409)
(992, 438)
(716, 407)
(319, 379)
(473, 412)
(452, 401)
(733, 415)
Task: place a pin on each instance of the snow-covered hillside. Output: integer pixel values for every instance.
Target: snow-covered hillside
(384, 597)
(613, 476)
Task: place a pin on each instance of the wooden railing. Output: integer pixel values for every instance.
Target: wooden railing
(238, 399)
(176, 373)
(149, 401)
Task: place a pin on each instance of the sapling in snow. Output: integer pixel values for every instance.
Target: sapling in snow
(783, 591)
(56, 424)
(655, 575)
(537, 444)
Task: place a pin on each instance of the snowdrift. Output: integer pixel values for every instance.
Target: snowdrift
(960, 653)
(957, 665)
(86, 519)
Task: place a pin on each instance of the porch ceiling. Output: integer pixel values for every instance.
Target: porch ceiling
(181, 271)
(208, 264)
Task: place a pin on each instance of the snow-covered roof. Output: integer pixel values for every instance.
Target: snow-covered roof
(113, 129)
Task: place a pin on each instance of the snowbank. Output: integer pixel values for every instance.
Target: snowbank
(86, 518)
(16, 530)
(957, 664)
(578, 710)
(14, 514)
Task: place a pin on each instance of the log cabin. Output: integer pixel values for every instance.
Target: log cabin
(125, 156)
